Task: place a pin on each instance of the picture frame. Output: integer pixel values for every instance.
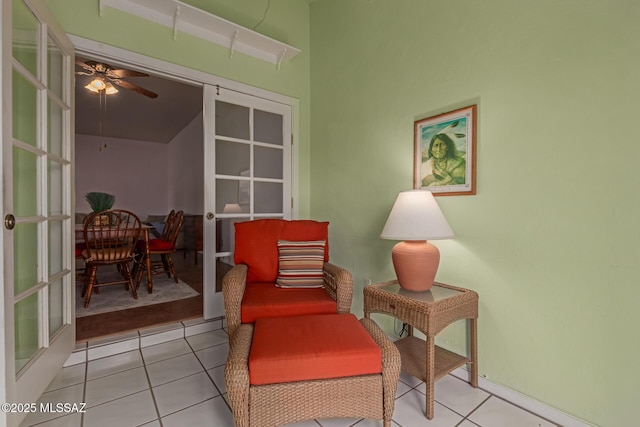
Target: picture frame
(445, 153)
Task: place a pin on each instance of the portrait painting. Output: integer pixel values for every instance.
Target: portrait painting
(445, 153)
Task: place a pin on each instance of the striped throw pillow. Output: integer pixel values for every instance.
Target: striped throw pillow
(300, 264)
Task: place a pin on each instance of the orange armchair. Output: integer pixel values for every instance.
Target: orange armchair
(253, 288)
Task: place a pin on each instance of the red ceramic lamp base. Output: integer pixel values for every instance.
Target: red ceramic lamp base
(416, 264)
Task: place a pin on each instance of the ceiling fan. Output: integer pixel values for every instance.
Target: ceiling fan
(105, 77)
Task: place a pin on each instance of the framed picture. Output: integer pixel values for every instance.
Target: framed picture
(445, 153)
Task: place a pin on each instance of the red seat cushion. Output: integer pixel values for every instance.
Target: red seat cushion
(265, 299)
(311, 347)
(81, 246)
(155, 245)
(256, 243)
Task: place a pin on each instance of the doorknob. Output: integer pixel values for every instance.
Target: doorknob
(9, 222)
(209, 215)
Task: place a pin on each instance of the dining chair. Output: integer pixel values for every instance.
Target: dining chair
(80, 246)
(110, 238)
(163, 247)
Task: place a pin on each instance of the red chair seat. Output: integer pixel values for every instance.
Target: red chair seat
(79, 248)
(156, 245)
(311, 347)
(265, 299)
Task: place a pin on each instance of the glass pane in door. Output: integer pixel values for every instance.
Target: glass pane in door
(25, 201)
(25, 260)
(55, 247)
(55, 188)
(25, 124)
(26, 32)
(56, 305)
(26, 330)
(225, 234)
(267, 127)
(268, 197)
(232, 120)
(232, 158)
(54, 129)
(268, 162)
(55, 68)
(227, 191)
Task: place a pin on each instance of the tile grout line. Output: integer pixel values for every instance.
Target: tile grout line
(146, 373)
(84, 384)
(466, 417)
(207, 372)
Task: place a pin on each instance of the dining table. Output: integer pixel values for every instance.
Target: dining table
(79, 233)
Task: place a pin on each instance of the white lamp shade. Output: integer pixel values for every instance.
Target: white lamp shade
(416, 216)
(232, 208)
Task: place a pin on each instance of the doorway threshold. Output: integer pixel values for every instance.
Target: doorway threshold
(98, 348)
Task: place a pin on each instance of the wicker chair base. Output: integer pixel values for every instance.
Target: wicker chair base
(366, 396)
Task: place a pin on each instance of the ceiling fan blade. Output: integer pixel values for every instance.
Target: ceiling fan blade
(136, 88)
(85, 66)
(125, 73)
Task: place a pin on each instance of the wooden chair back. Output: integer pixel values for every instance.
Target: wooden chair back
(173, 229)
(110, 236)
(168, 223)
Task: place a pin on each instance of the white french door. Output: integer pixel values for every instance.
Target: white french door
(247, 175)
(38, 312)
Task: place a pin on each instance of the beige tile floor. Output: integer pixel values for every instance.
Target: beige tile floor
(181, 383)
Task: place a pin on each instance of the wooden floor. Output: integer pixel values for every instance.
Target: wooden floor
(105, 324)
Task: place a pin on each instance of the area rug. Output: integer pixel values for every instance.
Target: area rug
(115, 297)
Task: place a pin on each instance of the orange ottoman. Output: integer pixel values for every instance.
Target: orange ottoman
(288, 369)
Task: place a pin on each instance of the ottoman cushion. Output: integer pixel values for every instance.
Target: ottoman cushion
(299, 348)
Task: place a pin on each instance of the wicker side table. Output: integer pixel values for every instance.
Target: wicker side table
(429, 312)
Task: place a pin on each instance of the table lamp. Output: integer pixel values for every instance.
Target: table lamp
(416, 218)
(232, 208)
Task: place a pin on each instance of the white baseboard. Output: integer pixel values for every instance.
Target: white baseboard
(552, 414)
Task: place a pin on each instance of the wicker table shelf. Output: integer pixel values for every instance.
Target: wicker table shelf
(429, 312)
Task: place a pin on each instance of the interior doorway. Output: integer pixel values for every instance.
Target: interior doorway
(212, 275)
(144, 145)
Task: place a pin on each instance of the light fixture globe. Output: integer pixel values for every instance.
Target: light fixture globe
(416, 218)
(98, 83)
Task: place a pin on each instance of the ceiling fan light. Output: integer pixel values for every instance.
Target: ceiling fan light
(98, 84)
(91, 88)
(110, 89)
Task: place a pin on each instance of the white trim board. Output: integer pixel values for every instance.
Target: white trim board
(191, 20)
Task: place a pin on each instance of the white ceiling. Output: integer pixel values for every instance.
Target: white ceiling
(130, 115)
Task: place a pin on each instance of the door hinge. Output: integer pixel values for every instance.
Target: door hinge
(292, 203)
(291, 139)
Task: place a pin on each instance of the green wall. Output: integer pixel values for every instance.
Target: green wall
(286, 21)
(550, 240)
